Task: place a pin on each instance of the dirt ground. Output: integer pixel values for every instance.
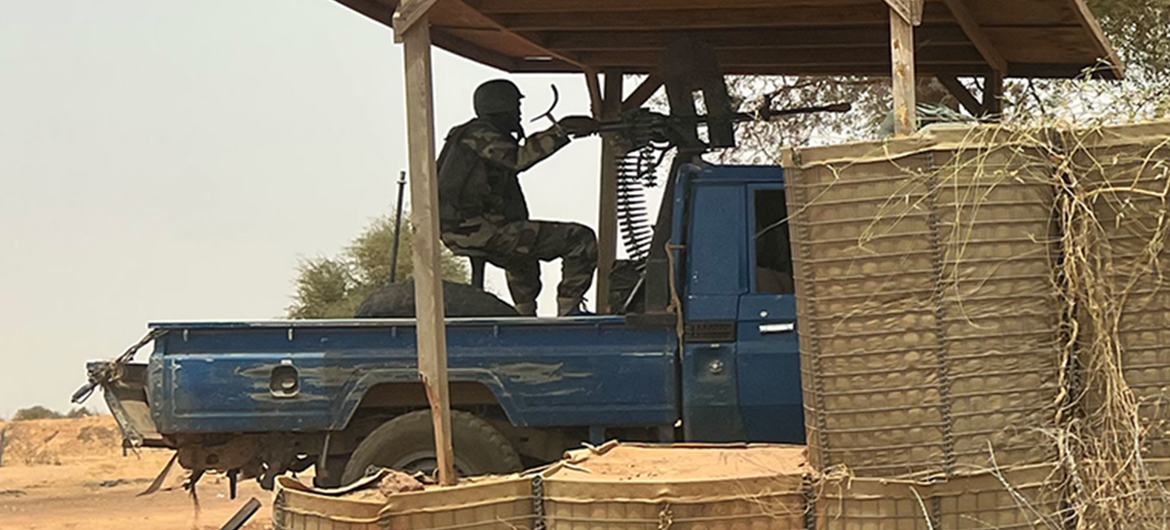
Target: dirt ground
(631, 462)
(70, 473)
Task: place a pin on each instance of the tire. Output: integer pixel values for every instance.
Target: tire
(397, 301)
(407, 442)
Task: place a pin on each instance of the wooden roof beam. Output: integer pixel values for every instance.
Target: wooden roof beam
(1100, 41)
(568, 6)
(1055, 71)
(770, 38)
(466, 49)
(532, 40)
(978, 37)
(974, 69)
(874, 14)
(868, 70)
(781, 54)
(838, 57)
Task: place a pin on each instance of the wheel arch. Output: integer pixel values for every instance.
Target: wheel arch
(403, 389)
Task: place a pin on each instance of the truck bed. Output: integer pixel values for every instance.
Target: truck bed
(218, 377)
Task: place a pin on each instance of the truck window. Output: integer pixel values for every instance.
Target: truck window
(773, 252)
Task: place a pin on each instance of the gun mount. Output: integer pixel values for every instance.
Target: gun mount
(692, 78)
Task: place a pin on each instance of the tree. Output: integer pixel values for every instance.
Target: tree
(333, 287)
(36, 412)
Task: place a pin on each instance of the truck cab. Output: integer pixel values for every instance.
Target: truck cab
(720, 363)
(740, 354)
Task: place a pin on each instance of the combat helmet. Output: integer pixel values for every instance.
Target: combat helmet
(496, 96)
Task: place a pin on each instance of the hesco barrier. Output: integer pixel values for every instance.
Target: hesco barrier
(504, 503)
(1124, 175)
(1157, 514)
(682, 487)
(929, 320)
(612, 487)
(1018, 498)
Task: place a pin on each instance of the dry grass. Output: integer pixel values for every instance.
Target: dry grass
(1106, 438)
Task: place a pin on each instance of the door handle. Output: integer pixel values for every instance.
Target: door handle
(782, 327)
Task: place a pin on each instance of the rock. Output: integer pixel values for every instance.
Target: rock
(398, 482)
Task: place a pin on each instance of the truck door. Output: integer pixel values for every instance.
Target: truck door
(716, 277)
(768, 353)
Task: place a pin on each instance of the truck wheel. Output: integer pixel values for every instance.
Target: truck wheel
(407, 443)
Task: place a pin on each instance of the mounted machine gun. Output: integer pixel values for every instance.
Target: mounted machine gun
(691, 74)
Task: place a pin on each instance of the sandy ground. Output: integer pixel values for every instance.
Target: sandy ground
(634, 463)
(71, 474)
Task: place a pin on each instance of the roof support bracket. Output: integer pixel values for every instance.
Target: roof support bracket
(961, 93)
(643, 92)
(978, 37)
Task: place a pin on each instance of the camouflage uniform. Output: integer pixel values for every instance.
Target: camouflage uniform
(483, 212)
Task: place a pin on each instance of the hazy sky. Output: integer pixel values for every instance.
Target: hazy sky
(171, 160)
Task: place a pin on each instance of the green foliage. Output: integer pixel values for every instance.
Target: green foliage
(1140, 30)
(324, 287)
(45, 413)
(333, 287)
(38, 412)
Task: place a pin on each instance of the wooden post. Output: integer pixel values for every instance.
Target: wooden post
(902, 54)
(595, 98)
(993, 94)
(424, 212)
(611, 109)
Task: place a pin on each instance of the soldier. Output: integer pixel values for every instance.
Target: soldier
(482, 208)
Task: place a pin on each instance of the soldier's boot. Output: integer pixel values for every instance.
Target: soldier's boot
(571, 307)
(526, 309)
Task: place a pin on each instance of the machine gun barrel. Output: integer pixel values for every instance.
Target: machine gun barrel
(768, 114)
(738, 117)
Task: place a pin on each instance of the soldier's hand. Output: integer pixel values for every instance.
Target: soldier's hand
(579, 125)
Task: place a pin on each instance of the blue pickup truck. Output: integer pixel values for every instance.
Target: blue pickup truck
(710, 355)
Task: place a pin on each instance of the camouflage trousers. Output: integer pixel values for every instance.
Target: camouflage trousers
(519, 247)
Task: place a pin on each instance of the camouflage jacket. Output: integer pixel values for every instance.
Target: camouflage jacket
(478, 171)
